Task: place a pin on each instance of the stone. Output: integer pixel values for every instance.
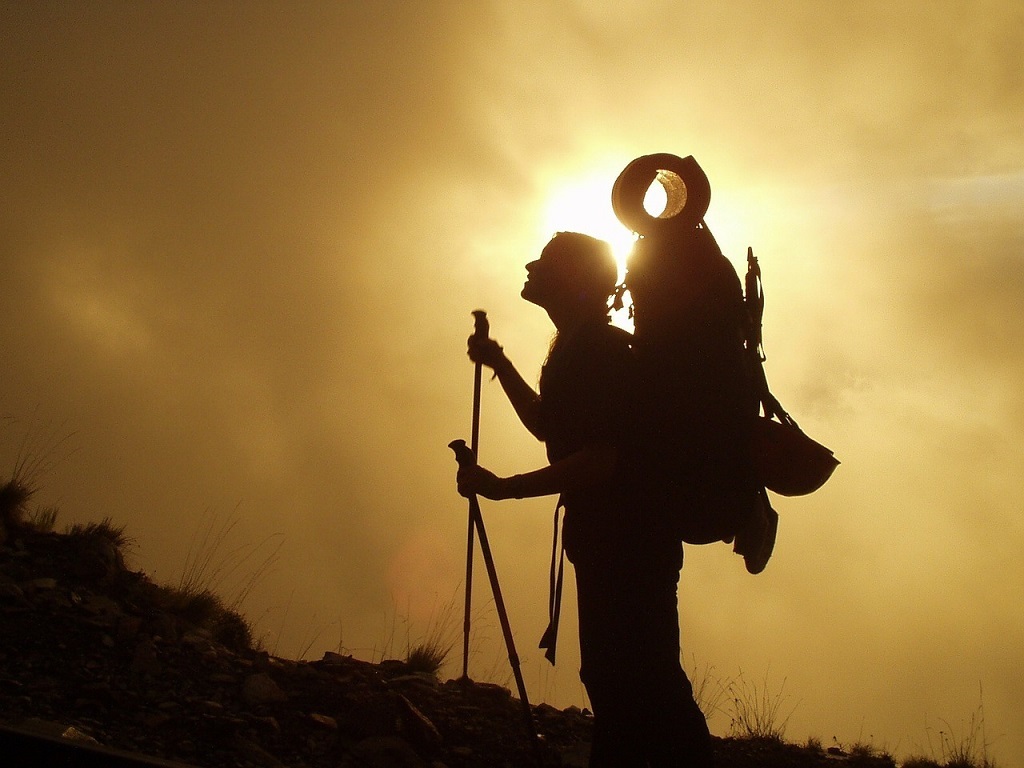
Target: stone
(145, 660)
(383, 752)
(418, 728)
(38, 585)
(259, 688)
(325, 720)
(74, 734)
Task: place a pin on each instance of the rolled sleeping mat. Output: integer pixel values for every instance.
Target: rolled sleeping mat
(687, 192)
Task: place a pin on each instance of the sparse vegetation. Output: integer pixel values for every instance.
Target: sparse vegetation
(708, 689)
(215, 581)
(428, 656)
(14, 497)
(966, 746)
(233, 573)
(40, 450)
(43, 519)
(756, 710)
(430, 653)
(105, 529)
(205, 611)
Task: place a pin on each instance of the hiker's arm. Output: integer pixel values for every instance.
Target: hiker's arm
(590, 466)
(524, 399)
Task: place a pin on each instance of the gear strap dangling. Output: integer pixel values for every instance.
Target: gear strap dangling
(550, 638)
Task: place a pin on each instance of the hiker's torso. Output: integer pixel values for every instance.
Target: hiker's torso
(587, 398)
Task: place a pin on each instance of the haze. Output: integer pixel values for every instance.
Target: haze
(241, 243)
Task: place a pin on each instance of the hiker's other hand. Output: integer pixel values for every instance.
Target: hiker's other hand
(485, 351)
(476, 480)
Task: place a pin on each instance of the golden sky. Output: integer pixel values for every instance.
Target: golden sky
(240, 245)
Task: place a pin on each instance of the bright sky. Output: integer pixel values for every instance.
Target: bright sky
(241, 243)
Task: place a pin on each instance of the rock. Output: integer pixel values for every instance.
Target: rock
(326, 721)
(101, 606)
(255, 753)
(330, 657)
(11, 592)
(575, 755)
(145, 660)
(38, 585)
(259, 688)
(383, 752)
(73, 734)
(419, 729)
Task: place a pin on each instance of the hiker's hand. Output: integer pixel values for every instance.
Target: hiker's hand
(486, 352)
(476, 480)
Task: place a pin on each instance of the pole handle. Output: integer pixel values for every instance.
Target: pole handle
(481, 326)
(463, 453)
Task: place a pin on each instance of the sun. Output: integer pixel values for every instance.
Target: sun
(585, 205)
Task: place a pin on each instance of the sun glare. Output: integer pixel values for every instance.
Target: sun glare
(586, 206)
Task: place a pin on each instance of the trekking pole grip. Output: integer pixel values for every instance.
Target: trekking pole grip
(463, 454)
(481, 326)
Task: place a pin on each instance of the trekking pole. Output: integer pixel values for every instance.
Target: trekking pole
(465, 458)
(481, 329)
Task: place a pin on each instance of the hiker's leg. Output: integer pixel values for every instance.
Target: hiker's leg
(608, 655)
(676, 732)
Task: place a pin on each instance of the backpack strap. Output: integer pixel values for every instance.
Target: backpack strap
(550, 637)
(753, 302)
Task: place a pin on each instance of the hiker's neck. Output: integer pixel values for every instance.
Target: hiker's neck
(568, 320)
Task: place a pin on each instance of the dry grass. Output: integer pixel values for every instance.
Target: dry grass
(41, 449)
(210, 566)
(965, 746)
(757, 709)
(217, 578)
(430, 653)
(708, 689)
(105, 529)
(205, 611)
(428, 656)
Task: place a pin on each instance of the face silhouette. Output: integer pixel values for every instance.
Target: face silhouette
(550, 280)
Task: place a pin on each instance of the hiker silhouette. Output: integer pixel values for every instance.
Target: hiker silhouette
(626, 572)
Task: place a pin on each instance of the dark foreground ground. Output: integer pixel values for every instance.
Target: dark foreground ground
(93, 653)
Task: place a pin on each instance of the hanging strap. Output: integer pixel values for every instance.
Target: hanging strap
(550, 637)
(754, 303)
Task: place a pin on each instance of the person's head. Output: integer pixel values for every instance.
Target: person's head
(575, 274)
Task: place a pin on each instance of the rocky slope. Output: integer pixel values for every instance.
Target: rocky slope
(94, 651)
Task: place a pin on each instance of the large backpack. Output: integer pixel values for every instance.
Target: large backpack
(711, 436)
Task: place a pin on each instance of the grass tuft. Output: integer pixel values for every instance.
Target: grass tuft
(14, 498)
(708, 689)
(756, 709)
(210, 568)
(105, 529)
(963, 747)
(205, 611)
(431, 652)
(40, 450)
(43, 519)
(428, 656)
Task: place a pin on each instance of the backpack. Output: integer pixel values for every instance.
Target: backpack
(711, 437)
